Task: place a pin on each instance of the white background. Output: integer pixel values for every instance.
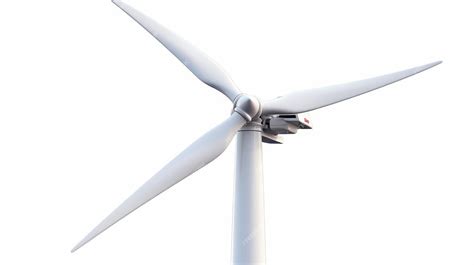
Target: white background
(91, 106)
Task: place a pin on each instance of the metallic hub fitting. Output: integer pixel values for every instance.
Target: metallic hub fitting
(247, 106)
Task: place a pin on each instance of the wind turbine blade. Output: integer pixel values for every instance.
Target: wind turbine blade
(197, 155)
(195, 60)
(310, 99)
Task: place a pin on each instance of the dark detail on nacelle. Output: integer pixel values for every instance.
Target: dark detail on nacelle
(282, 124)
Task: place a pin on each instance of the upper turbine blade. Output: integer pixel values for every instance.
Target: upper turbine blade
(197, 155)
(310, 99)
(195, 60)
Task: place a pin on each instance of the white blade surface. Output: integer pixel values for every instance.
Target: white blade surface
(310, 99)
(201, 65)
(197, 155)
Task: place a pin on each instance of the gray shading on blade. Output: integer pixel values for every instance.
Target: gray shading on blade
(198, 154)
(311, 99)
(201, 65)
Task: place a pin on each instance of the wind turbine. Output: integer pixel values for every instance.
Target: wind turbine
(253, 122)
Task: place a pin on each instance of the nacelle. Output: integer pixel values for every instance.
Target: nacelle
(283, 124)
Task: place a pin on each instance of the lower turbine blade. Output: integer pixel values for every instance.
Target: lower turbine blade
(197, 155)
(311, 99)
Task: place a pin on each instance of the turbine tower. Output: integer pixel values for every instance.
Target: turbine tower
(254, 122)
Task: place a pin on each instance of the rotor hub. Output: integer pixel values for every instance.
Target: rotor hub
(247, 106)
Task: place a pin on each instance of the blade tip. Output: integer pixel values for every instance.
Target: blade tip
(430, 65)
(117, 2)
(79, 245)
(435, 63)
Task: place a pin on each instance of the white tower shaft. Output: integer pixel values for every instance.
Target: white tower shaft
(248, 233)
